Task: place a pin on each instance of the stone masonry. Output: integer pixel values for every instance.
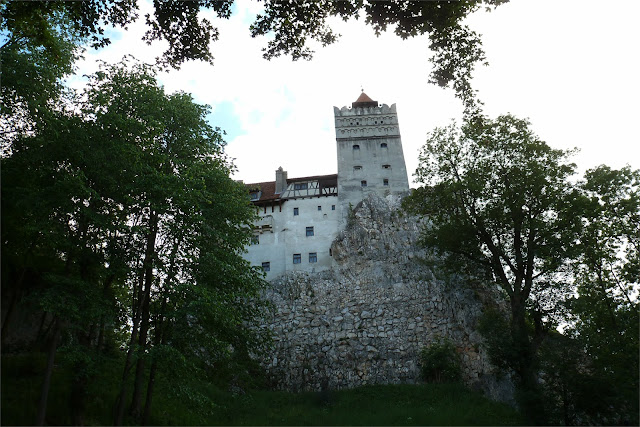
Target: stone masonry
(366, 320)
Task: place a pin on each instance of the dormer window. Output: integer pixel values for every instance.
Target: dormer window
(300, 186)
(356, 147)
(255, 195)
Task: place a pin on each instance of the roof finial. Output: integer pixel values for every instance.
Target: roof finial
(361, 89)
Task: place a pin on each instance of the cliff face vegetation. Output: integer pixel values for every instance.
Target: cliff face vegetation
(366, 321)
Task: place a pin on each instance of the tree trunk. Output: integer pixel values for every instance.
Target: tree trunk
(136, 401)
(147, 403)
(46, 383)
(120, 401)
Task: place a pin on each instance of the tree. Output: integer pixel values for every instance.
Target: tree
(604, 315)
(293, 24)
(119, 214)
(497, 197)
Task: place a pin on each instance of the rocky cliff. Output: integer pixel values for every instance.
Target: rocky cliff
(366, 321)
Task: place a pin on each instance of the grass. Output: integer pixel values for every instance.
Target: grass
(424, 404)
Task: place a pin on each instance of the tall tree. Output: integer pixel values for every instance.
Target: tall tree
(120, 213)
(497, 196)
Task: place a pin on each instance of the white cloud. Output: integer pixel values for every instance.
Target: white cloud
(569, 66)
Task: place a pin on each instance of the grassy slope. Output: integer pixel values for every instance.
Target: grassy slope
(427, 404)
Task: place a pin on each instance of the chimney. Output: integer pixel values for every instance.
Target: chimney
(281, 180)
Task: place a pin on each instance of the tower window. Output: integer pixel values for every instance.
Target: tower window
(333, 207)
(356, 147)
(266, 266)
(297, 258)
(357, 168)
(313, 257)
(296, 211)
(309, 231)
(255, 240)
(363, 183)
(383, 145)
(319, 208)
(385, 182)
(386, 166)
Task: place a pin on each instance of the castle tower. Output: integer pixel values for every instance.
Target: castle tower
(370, 156)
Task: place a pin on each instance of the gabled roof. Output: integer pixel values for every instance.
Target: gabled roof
(268, 188)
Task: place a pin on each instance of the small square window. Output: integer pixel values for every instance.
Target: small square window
(313, 257)
(309, 231)
(333, 207)
(297, 258)
(356, 147)
(295, 211)
(363, 183)
(319, 208)
(266, 266)
(385, 182)
(383, 145)
(255, 239)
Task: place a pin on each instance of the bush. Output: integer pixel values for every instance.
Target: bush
(440, 362)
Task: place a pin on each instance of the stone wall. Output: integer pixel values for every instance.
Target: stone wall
(366, 320)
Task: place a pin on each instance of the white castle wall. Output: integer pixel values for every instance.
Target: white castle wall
(288, 235)
(369, 149)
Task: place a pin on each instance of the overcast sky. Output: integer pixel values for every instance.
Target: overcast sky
(571, 67)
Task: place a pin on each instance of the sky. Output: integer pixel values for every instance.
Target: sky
(571, 67)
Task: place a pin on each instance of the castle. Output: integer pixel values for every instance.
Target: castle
(300, 217)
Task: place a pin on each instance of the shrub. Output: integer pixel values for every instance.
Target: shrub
(440, 362)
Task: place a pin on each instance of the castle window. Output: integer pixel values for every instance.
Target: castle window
(297, 258)
(266, 266)
(333, 207)
(309, 231)
(385, 182)
(300, 186)
(255, 240)
(357, 168)
(296, 212)
(356, 147)
(383, 145)
(386, 166)
(313, 257)
(330, 252)
(319, 208)
(363, 183)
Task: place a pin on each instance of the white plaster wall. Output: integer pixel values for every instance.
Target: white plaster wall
(289, 237)
(369, 128)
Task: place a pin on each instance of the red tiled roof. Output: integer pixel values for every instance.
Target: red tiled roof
(269, 188)
(364, 101)
(364, 98)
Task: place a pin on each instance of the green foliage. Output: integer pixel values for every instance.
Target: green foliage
(500, 198)
(119, 220)
(439, 362)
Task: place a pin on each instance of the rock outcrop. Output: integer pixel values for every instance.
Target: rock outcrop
(366, 321)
